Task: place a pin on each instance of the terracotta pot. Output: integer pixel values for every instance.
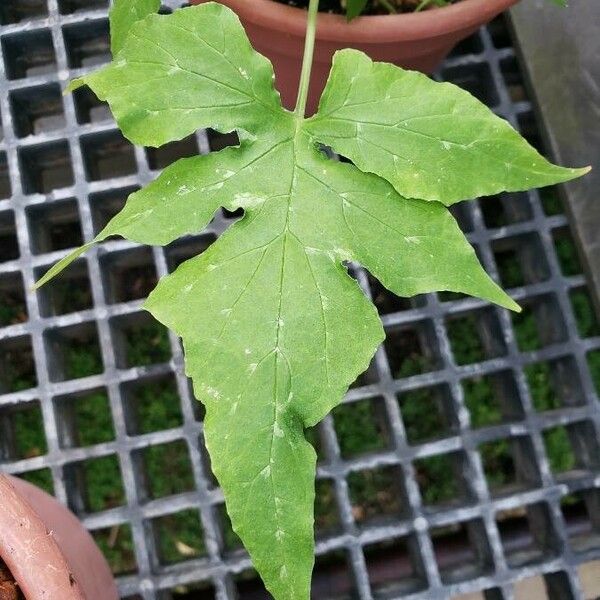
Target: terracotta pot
(48, 551)
(417, 41)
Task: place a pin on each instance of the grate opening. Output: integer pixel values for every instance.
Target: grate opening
(540, 324)
(73, 352)
(492, 399)
(512, 79)
(17, 369)
(441, 480)
(427, 414)
(41, 478)
(362, 427)
(9, 243)
(107, 155)
(88, 108)
(509, 465)
(128, 275)
(5, 186)
(28, 54)
(462, 551)
(117, 545)
(94, 485)
(376, 494)
(327, 517)
(151, 404)
(505, 209)
(15, 11)
(163, 470)
(178, 537)
(476, 79)
(583, 310)
(475, 337)
(566, 252)
(412, 350)
(70, 292)
(518, 260)
(54, 226)
(528, 535)
(105, 205)
(333, 577)
(394, 567)
(581, 511)
(22, 429)
(87, 43)
(387, 303)
(46, 167)
(37, 110)
(139, 340)
(554, 384)
(84, 419)
(13, 307)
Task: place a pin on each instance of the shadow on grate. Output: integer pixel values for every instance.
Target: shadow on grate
(465, 459)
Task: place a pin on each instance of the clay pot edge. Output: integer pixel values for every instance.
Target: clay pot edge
(22, 532)
(371, 28)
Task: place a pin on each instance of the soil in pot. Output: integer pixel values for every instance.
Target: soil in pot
(374, 7)
(9, 589)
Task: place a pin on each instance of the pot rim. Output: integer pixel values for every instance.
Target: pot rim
(371, 28)
(30, 551)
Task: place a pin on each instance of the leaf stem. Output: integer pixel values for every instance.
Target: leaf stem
(307, 59)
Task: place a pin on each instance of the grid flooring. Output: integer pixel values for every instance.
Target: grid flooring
(513, 416)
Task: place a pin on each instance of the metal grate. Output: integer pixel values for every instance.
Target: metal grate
(465, 460)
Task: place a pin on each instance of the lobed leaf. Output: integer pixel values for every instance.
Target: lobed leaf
(182, 72)
(274, 328)
(122, 16)
(430, 140)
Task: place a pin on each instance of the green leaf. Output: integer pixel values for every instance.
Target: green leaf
(186, 71)
(123, 14)
(355, 8)
(430, 140)
(274, 328)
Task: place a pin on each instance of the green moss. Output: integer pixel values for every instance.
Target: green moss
(567, 255)
(147, 344)
(359, 428)
(179, 537)
(481, 402)
(585, 315)
(103, 483)
(465, 341)
(558, 449)
(526, 330)
(116, 543)
(437, 479)
(498, 463)
(374, 493)
(542, 391)
(168, 469)
(28, 429)
(82, 359)
(41, 478)
(421, 415)
(93, 421)
(157, 406)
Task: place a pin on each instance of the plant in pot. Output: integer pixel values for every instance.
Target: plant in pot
(45, 552)
(274, 328)
(418, 40)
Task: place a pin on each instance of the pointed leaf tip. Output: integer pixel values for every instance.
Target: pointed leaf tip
(62, 264)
